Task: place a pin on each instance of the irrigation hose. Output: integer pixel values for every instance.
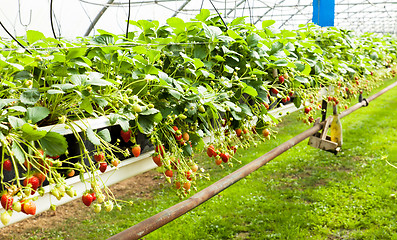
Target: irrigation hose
(156, 221)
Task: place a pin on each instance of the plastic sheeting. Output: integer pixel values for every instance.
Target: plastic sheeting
(73, 17)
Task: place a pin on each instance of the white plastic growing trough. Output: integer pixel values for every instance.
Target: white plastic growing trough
(126, 169)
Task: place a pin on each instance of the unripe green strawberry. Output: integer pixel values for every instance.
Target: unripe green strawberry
(61, 188)
(201, 109)
(17, 206)
(41, 191)
(71, 192)
(137, 108)
(53, 207)
(55, 192)
(108, 206)
(97, 208)
(118, 207)
(5, 217)
(100, 198)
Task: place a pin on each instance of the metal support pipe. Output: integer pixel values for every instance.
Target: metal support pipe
(94, 22)
(145, 227)
(365, 102)
(150, 224)
(181, 8)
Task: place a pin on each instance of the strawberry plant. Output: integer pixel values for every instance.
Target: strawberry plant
(173, 84)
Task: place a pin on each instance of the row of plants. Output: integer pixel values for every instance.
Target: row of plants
(169, 85)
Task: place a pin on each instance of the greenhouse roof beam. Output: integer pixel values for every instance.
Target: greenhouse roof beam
(259, 18)
(96, 19)
(181, 7)
(292, 15)
(234, 9)
(122, 4)
(354, 13)
(231, 9)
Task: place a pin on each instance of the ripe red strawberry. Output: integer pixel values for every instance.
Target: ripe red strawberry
(169, 173)
(160, 149)
(225, 157)
(175, 128)
(265, 132)
(238, 132)
(126, 136)
(103, 166)
(7, 165)
(99, 156)
(34, 181)
(136, 150)
(188, 175)
(6, 201)
(194, 168)
(187, 185)
(87, 199)
(274, 91)
(211, 151)
(157, 159)
(29, 207)
(281, 79)
(291, 93)
(178, 137)
(115, 162)
(93, 196)
(186, 136)
(40, 176)
(307, 110)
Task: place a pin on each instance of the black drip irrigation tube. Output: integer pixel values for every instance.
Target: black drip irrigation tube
(156, 221)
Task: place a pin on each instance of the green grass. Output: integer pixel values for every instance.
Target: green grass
(305, 193)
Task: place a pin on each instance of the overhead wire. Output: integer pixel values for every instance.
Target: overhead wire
(201, 6)
(20, 15)
(250, 12)
(16, 40)
(86, 13)
(128, 18)
(51, 21)
(216, 10)
(121, 4)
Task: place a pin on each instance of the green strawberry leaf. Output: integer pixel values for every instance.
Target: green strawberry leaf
(18, 153)
(30, 134)
(92, 137)
(36, 114)
(54, 144)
